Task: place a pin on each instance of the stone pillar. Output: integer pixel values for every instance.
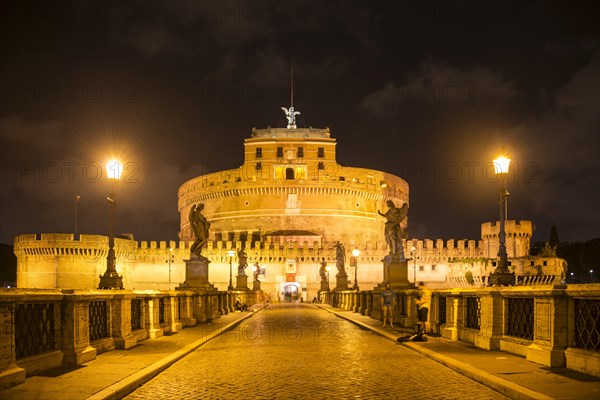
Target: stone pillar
(121, 320)
(363, 301)
(187, 310)
(324, 286)
(171, 309)
(153, 327)
(212, 309)
(256, 286)
(10, 373)
(357, 300)
(75, 329)
(200, 307)
(369, 308)
(450, 329)
(376, 311)
(492, 321)
(551, 329)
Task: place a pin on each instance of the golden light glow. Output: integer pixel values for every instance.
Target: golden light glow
(114, 169)
(501, 165)
(231, 253)
(355, 252)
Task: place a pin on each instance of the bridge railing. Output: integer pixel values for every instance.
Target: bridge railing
(42, 329)
(553, 325)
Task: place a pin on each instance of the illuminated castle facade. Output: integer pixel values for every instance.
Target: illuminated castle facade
(286, 206)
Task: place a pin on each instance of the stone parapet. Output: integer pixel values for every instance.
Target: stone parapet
(555, 326)
(46, 328)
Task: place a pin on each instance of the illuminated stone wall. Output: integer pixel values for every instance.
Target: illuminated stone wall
(290, 180)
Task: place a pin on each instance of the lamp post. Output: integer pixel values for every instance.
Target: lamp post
(111, 279)
(591, 276)
(501, 275)
(355, 253)
(170, 260)
(413, 255)
(327, 268)
(230, 253)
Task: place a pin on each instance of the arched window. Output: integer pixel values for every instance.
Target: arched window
(289, 173)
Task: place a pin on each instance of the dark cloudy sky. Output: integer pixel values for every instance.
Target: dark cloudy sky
(430, 91)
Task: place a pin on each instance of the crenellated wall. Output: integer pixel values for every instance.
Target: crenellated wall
(62, 261)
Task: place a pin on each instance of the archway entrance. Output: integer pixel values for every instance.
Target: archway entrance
(291, 292)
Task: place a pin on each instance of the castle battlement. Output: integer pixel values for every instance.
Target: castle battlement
(92, 248)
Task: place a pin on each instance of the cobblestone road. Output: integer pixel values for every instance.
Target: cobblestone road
(292, 351)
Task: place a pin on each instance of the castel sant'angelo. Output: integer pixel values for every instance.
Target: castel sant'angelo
(287, 207)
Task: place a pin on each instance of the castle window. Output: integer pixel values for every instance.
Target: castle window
(321, 152)
(421, 268)
(289, 173)
(280, 152)
(300, 152)
(321, 165)
(342, 178)
(433, 267)
(532, 263)
(258, 166)
(259, 152)
(545, 263)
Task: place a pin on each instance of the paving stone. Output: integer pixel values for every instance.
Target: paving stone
(292, 350)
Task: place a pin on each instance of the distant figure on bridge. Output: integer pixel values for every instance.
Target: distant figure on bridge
(423, 300)
(240, 306)
(387, 305)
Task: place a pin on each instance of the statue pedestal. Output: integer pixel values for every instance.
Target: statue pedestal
(241, 282)
(196, 276)
(324, 286)
(341, 281)
(256, 285)
(395, 272)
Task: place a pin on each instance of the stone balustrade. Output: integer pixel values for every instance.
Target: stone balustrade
(45, 328)
(553, 325)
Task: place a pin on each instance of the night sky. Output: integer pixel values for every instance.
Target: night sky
(430, 91)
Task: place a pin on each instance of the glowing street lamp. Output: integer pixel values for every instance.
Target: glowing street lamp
(111, 279)
(501, 275)
(355, 253)
(230, 254)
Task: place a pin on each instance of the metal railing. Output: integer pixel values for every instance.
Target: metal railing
(161, 310)
(441, 310)
(136, 314)
(587, 324)
(34, 329)
(473, 313)
(520, 317)
(98, 320)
